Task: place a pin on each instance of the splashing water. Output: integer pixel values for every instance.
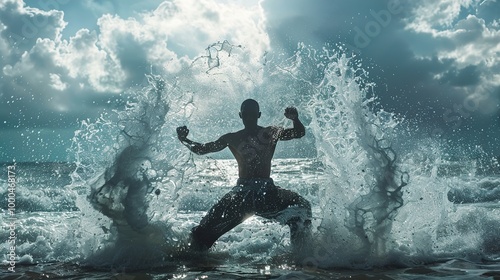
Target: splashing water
(364, 189)
(123, 181)
(129, 158)
(372, 214)
(139, 191)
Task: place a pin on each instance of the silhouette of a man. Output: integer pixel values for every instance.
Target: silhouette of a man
(255, 192)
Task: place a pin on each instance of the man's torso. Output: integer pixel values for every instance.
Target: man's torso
(254, 150)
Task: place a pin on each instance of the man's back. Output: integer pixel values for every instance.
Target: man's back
(255, 192)
(253, 150)
(254, 146)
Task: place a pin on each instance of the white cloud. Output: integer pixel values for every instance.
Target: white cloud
(56, 82)
(469, 39)
(430, 15)
(58, 75)
(84, 60)
(24, 25)
(473, 42)
(460, 34)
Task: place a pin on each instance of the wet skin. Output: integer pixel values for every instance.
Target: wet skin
(253, 147)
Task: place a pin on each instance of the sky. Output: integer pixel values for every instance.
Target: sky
(434, 62)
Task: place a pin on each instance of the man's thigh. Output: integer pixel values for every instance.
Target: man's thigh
(228, 212)
(268, 204)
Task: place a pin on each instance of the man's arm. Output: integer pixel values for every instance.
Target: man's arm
(198, 148)
(298, 129)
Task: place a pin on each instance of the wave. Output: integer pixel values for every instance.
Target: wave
(486, 190)
(134, 192)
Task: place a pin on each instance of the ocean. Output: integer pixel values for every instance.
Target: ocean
(389, 201)
(55, 239)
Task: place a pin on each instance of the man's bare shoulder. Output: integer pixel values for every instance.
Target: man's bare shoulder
(229, 136)
(274, 131)
(274, 128)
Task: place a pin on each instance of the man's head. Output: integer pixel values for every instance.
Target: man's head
(249, 110)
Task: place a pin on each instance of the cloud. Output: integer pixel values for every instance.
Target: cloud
(427, 58)
(424, 56)
(51, 78)
(467, 76)
(429, 16)
(459, 34)
(47, 75)
(24, 25)
(56, 82)
(36, 83)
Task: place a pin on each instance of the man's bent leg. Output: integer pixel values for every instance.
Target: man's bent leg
(229, 212)
(300, 220)
(288, 208)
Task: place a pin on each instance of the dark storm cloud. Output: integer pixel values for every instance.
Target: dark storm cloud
(328, 21)
(413, 76)
(433, 62)
(467, 76)
(368, 29)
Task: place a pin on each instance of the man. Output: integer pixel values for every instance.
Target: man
(255, 192)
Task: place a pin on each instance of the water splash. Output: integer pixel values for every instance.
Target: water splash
(125, 161)
(130, 157)
(133, 172)
(212, 57)
(353, 140)
(367, 206)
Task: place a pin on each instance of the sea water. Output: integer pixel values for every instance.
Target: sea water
(386, 203)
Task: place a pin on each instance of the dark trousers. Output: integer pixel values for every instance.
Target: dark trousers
(253, 197)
